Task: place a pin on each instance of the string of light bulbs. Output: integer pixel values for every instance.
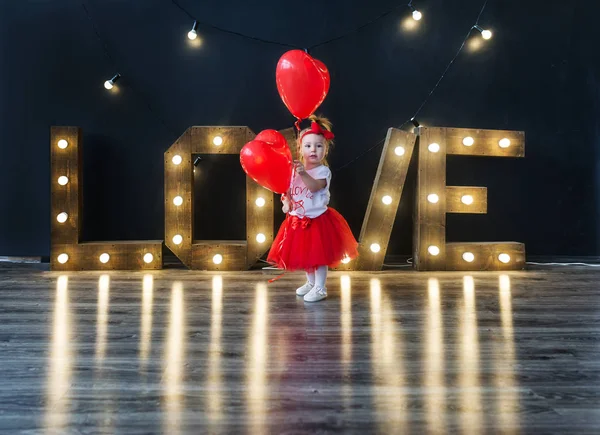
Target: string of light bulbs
(485, 34)
(193, 34)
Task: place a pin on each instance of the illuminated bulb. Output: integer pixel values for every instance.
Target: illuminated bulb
(178, 200)
(177, 159)
(375, 248)
(260, 238)
(433, 250)
(504, 143)
(104, 258)
(468, 257)
(417, 15)
(218, 140)
(387, 199)
(399, 151)
(218, 259)
(433, 198)
(109, 83)
(148, 258)
(467, 199)
(63, 258)
(62, 217)
(62, 144)
(468, 141)
(504, 258)
(434, 147)
(192, 34)
(260, 202)
(346, 260)
(177, 239)
(62, 180)
(486, 34)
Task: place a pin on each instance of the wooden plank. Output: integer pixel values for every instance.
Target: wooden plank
(179, 182)
(259, 220)
(290, 135)
(485, 142)
(485, 256)
(389, 182)
(233, 253)
(456, 204)
(65, 199)
(234, 139)
(430, 217)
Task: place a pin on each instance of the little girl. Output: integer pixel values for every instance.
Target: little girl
(313, 236)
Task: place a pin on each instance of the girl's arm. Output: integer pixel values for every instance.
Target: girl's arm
(312, 184)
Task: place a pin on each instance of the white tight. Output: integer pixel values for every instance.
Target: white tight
(318, 276)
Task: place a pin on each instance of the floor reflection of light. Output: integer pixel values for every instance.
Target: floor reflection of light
(60, 362)
(174, 360)
(346, 323)
(508, 395)
(102, 318)
(146, 320)
(388, 364)
(256, 370)
(214, 398)
(433, 380)
(469, 382)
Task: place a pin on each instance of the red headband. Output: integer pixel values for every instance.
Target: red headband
(315, 128)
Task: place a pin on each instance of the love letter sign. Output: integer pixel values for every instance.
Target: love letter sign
(434, 200)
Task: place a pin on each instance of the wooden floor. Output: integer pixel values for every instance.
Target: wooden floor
(178, 351)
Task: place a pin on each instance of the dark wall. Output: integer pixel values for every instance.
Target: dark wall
(540, 73)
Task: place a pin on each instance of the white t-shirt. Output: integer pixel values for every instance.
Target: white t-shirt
(307, 203)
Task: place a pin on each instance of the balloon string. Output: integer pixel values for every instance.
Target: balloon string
(297, 124)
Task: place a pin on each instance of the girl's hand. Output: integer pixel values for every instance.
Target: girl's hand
(299, 167)
(286, 204)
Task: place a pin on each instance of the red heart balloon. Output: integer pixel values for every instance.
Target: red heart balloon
(268, 167)
(302, 82)
(276, 140)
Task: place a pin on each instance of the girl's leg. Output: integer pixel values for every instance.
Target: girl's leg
(310, 276)
(320, 276)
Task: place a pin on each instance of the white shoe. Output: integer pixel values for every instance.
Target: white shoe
(304, 289)
(316, 294)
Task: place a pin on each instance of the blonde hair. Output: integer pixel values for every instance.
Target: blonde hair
(325, 125)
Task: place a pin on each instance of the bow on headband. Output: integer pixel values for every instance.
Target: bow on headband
(315, 128)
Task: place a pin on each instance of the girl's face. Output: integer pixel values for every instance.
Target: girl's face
(313, 149)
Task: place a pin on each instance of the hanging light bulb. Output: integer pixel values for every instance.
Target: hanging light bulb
(485, 34)
(192, 34)
(109, 83)
(415, 13)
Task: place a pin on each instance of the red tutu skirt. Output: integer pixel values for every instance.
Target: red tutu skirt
(305, 244)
